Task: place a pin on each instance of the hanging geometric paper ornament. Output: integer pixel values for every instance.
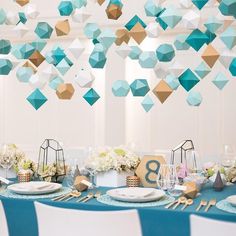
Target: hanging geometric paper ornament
(55, 82)
(161, 70)
(43, 30)
(5, 66)
(200, 3)
(65, 8)
(36, 58)
(80, 15)
(20, 30)
(210, 36)
(135, 52)
(220, 81)
(97, 59)
(196, 39)
(91, 96)
(122, 35)
(31, 11)
(138, 33)
(228, 7)
(76, 48)
(23, 18)
(147, 59)
(171, 17)
(5, 46)
(23, 74)
(30, 65)
(210, 55)
(62, 28)
(232, 67)
(63, 66)
(153, 30)
(139, 87)
(186, 3)
(191, 20)
(194, 98)
(100, 2)
(3, 16)
(113, 11)
(84, 78)
(180, 42)
(36, 99)
(228, 37)
(91, 30)
(202, 70)
(120, 88)
(188, 79)
(39, 45)
(172, 81)
(133, 22)
(26, 50)
(165, 52)
(22, 2)
(123, 51)
(65, 91)
(162, 91)
(176, 69)
(151, 9)
(12, 18)
(37, 82)
(79, 3)
(107, 38)
(147, 103)
(49, 73)
(213, 24)
(57, 54)
(226, 58)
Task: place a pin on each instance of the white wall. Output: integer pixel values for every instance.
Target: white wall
(114, 121)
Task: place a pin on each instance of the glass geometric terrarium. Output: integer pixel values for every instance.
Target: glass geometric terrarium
(51, 161)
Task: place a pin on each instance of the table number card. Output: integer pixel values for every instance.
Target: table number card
(148, 169)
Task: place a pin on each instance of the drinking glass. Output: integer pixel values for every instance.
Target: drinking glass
(228, 156)
(6, 160)
(191, 161)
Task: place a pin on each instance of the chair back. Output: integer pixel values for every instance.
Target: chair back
(3, 222)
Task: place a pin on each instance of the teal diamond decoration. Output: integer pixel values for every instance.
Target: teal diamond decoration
(232, 67)
(172, 81)
(139, 87)
(65, 8)
(211, 36)
(26, 51)
(36, 99)
(171, 17)
(213, 24)
(147, 103)
(5, 66)
(63, 66)
(220, 81)
(133, 22)
(5, 46)
(120, 88)
(91, 30)
(228, 7)
(22, 17)
(57, 55)
(107, 38)
(151, 8)
(3, 16)
(180, 42)
(165, 52)
(194, 98)
(135, 52)
(55, 82)
(147, 59)
(163, 25)
(197, 39)
(202, 70)
(200, 3)
(43, 30)
(23, 74)
(91, 96)
(39, 45)
(97, 59)
(79, 3)
(188, 79)
(228, 37)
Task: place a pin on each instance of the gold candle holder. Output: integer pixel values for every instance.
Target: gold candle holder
(132, 181)
(24, 177)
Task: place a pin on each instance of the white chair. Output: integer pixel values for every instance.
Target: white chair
(3, 222)
(201, 226)
(71, 222)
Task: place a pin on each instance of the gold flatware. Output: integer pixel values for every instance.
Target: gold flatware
(75, 194)
(67, 196)
(90, 196)
(171, 204)
(211, 203)
(202, 203)
(59, 197)
(83, 198)
(187, 203)
(97, 194)
(181, 200)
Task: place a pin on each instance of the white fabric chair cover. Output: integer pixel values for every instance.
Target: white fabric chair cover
(3, 222)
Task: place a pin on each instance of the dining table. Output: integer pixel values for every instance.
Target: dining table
(158, 220)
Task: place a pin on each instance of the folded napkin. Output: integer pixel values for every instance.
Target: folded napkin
(135, 192)
(33, 187)
(5, 181)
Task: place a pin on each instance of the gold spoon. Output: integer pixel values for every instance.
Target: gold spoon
(187, 203)
(202, 203)
(73, 195)
(181, 200)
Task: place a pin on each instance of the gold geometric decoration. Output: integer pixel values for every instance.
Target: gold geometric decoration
(162, 91)
(22, 2)
(62, 28)
(122, 35)
(65, 91)
(36, 58)
(113, 11)
(100, 2)
(138, 33)
(210, 55)
(29, 64)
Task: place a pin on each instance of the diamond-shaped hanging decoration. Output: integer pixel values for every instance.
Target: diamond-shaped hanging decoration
(123, 51)
(196, 39)
(49, 73)
(153, 30)
(226, 58)
(180, 42)
(232, 67)
(133, 22)
(39, 45)
(120, 88)
(151, 8)
(162, 91)
(31, 11)
(220, 81)
(107, 38)
(76, 48)
(37, 58)
(62, 27)
(210, 55)
(194, 98)
(55, 82)
(22, 2)
(191, 20)
(43, 30)
(63, 66)
(147, 103)
(188, 79)
(161, 70)
(80, 15)
(139, 87)
(186, 3)
(213, 24)
(37, 81)
(91, 96)
(79, 3)
(228, 37)
(228, 7)
(202, 70)
(36, 99)
(138, 33)
(122, 35)
(5, 66)
(84, 78)
(147, 59)
(177, 69)
(5, 46)
(172, 81)
(165, 52)
(200, 3)
(171, 17)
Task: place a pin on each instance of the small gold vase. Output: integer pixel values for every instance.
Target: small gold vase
(132, 181)
(24, 177)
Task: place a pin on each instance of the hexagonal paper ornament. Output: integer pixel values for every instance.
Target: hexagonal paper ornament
(161, 70)
(213, 24)
(171, 17)
(39, 45)
(226, 58)
(186, 3)
(162, 91)
(28, 64)
(20, 30)
(37, 81)
(113, 11)
(25, 51)
(55, 82)
(147, 103)
(134, 22)
(151, 8)
(120, 88)
(147, 59)
(49, 73)
(37, 58)
(12, 18)
(97, 59)
(23, 74)
(91, 30)
(122, 35)
(65, 8)
(5, 46)
(228, 7)
(79, 3)
(65, 91)
(91, 96)
(188, 79)
(31, 11)
(200, 3)
(196, 39)
(232, 67)
(194, 98)
(180, 42)
(80, 15)
(84, 78)
(135, 52)
(62, 27)
(76, 48)
(36, 99)
(202, 70)
(176, 68)
(22, 2)
(107, 38)
(153, 30)
(228, 37)
(210, 55)
(5, 66)
(139, 87)
(43, 30)
(63, 66)
(172, 81)
(165, 52)
(220, 81)
(3, 16)
(123, 51)
(191, 20)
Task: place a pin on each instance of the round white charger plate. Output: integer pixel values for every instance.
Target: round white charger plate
(224, 205)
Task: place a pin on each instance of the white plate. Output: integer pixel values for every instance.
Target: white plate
(231, 200)
(153, 195)
(134, 192)
(34, 188)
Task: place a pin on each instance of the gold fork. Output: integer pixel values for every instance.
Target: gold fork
(202, 203)
(90, 196)
(97, 194)
(212, 202)
(85, 197)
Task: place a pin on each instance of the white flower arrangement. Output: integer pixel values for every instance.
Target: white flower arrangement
(107, 158)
